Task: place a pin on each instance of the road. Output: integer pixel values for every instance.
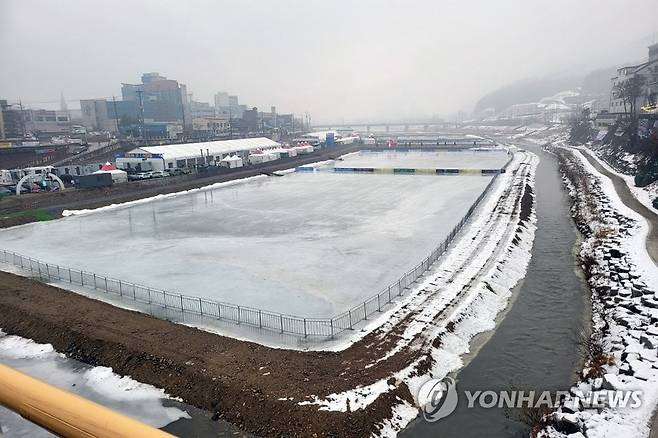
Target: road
(631, 202)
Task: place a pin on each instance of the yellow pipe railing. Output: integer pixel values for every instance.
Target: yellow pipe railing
(64, 413)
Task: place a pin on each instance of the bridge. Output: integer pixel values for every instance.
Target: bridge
(389, 127)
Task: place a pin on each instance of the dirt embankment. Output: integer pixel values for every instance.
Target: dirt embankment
(240, 381)
(16, 210)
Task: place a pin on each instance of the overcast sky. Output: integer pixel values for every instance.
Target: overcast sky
(339, 60)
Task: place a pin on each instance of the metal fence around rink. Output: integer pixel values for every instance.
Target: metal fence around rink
(263, 319)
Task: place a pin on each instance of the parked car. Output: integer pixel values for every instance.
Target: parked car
(139, 176)
(159, 174)
(178, 171)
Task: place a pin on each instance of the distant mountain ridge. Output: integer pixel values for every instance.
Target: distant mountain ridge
(595, 83)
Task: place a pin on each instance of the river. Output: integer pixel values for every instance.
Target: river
(535, 343)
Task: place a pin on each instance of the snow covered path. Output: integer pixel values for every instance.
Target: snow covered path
(633, 197)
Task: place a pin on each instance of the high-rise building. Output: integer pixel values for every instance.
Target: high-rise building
(159, 99)
(152, 77)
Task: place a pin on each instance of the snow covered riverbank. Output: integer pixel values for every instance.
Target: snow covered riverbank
(457, 300)
(620, 354)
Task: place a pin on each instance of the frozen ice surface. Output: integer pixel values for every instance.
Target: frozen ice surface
(471, 159)
(302, 244)
(123, 394)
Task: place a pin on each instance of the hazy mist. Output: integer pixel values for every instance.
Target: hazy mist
(339, 60)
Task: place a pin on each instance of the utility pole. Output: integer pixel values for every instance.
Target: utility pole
(141, 114)
(20, 105)
(116, 117)
(230, 122)
(182, 106)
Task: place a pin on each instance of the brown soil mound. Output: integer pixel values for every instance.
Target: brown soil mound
(241, 381)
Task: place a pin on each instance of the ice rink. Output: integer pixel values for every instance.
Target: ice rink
(307, 244)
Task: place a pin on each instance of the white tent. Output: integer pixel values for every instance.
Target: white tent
(118, 176)
(231, 162)
(303, 149)
(261, 158)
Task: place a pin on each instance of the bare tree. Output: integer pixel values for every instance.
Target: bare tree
(630, 91)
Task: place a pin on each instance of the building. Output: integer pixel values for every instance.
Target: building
(40, 121)
(159, 99)
(211, 126)
(153, 130)
(522, 110)
(604, 120)
(95, 115)
(201, 109)
(189, 155)
(227, 105)
(648, 71)
(251, 121)
(108, 115)
(12, 125)
(125, 111)
(286, 122)
(221, 99)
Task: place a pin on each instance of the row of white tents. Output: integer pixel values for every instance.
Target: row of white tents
(263, 156)
(227, 153)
